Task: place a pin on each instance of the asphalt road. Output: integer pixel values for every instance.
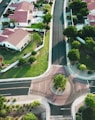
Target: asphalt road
(14, 88)
(58, 43)
(3, 6)
(57, 110)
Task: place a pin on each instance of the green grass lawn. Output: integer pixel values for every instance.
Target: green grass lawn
(11, 56)
(34, 69)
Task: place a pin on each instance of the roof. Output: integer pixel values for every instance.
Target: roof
(15, 37)
(19, 16)
(2, 38)
(88, 1)
(91, 17)
(91, 5)
(23, 6)
(8, 31)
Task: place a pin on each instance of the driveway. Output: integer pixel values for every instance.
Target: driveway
(58, 43)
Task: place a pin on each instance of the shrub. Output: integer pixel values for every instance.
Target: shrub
(32, 59)
(22, 61)
(35, 103)
(14, 100)
(29, 116)
(34, 52)
(90, 72)
(3, 112)
(82, 67)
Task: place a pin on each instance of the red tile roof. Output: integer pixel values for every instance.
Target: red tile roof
(8, 31)
(19, 16)
(91, 6)
(15, 37)
(88, 1)
(3, 38)
(91, 17)
(23, 6)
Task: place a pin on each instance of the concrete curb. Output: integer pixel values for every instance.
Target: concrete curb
(76, 104)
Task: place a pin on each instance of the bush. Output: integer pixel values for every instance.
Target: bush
(82, 67)
(32, 59)
(34, 52)
(35, 103)
(3, 112)
(22, 61)
(29, 116)
(90, 72)
(14, 100)
(47, 27)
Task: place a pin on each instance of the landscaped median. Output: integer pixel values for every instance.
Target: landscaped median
(31, 70)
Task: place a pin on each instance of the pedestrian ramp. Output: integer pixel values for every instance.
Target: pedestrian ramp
(60, 117)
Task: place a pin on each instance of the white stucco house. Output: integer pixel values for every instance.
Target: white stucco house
(22, 13)
(16, 39)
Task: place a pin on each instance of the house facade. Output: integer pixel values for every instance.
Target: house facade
(16, 39)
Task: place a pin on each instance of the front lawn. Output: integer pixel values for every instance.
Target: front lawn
(11, 56)
(34, 69)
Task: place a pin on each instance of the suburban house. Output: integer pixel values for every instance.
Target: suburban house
(16, 39)
(22, 13)
(91, 8)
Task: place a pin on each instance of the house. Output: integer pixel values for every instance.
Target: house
(91, 8)
(22, 13)
(16, 39)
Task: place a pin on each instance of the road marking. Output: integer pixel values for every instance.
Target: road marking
(6, 94)
(16, 82)
(12, 88)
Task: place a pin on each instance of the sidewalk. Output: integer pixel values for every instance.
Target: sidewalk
(29, 99)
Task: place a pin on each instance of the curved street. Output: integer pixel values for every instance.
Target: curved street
(58, 44)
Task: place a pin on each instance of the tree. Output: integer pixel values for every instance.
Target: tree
(32, 59)
(82, 67)
(2, 100)
(3, 112)
(47, 18)
(90, 43)
(22, 61)
(35, 103)
(78, 6)
(36, 37)
(29, 116)
(60, 81)
(70, 31)
(90, 100)
(74, 55)
(76, 44)
(47, 8)
(88, 31)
